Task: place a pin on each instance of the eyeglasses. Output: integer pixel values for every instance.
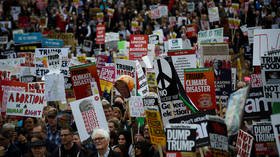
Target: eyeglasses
(98, 139)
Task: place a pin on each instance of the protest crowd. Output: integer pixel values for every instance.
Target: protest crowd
(139, 78)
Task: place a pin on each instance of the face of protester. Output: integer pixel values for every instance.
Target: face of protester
(29, 124)
(117, 113)
(66, 137)
(146, 132)
(38, 151)
(101, 143)
(52, 121)
(111, 127)
(121, 140)
(76, 139)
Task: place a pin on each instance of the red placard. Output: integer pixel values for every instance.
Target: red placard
(138, 47)
(100, 34)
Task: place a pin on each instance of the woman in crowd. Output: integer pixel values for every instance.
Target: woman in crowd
(37, 147)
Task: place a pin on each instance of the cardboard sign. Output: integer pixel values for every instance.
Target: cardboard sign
(199, 86)
(156, 131)
(264, 40)
(138, 47)
(244, 144)
(25, 104)
(136, 108)
(100, 34)
(88, 114)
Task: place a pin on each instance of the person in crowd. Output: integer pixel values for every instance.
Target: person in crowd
(11, 150)
(37, 147)
(108, 110)
(101, 139)
(53, 129)
(68, 148)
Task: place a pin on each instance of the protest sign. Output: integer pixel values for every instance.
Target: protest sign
(7, 54)
(175, 44)
(87, 45)
(191, 30)
(264, 139)
(244, 144)
(29, 58)
(48, 59)
(150, 102)
(199, 86)
(211, 36)
(276, 129)
(15, 11)
(3, 39)
(256, 106)
(52, 43)
(28, 37)
(167, 83)
(153, 39)
(214, 49)
(136, 107)
(27, 47)
(13, 62)
(138, 47)
(142, 80)
(180, 139)
(151, 80)
(100, 34)
(270, 70)
(7, 86)
(235, 110)
(110, 12)
(25, 104)
(264, 40)
(127, 67)
(81, 77)
(88, 115)
(54, 88)
(107, 78)
(155, 126)
(69, 92)
(213, 14)
(217, 131)
(68, 38)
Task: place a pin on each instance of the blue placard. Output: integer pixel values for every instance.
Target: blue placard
(28, 37)
(52, 43)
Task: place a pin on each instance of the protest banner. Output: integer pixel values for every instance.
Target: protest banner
(52, 43)
(25, 104)
(264, 139)
(270, 71)
(244, 144)
(155, 126)
(54, 87)
(213, 14)
(27, 47)
(199, 86)
(211, 36)
(89, 115)
(218, 138)
(107, 78)
(81, 77)
(256, 106)
(48, 59)
(13, 62)
(100, 34)
(127, 67)
(36, 87)
(180, 139)
(136, 107)
(29, 58)
(138, 47)
(276, 129)
(167, 82)
(142, 87)
(28, 37)
(264, 40)
(235, 110)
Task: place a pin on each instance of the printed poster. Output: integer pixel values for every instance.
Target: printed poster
(88, 114)
(138, 47)
(81, 77)
(136, 107)
(213, 14)
(276, 129)
(244, 144)
(100, 34)
(25, 104)
(211, 36)
(142, 80)
(107, 78)
(199, 86)
(36, 87)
